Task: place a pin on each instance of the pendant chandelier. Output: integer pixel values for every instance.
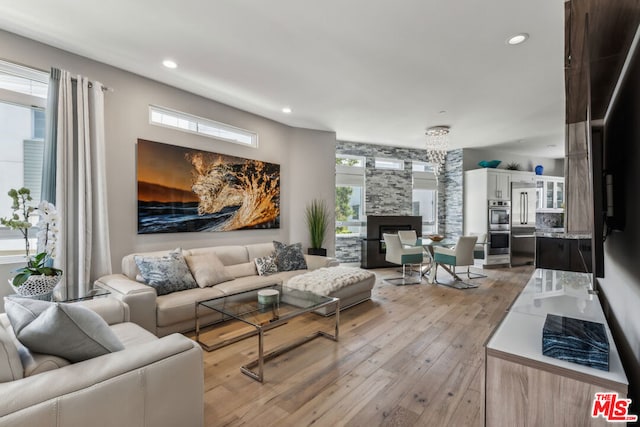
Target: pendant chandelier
(437, 144)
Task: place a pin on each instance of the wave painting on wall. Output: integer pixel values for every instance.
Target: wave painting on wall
(182, 189)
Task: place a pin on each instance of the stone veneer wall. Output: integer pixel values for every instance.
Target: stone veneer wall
(389, 192)
(450, 196)
(348, 248)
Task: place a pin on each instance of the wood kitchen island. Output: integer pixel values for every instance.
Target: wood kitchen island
(524, 387)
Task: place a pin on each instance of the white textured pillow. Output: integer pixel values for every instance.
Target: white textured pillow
(207, 269)
(266, 265)
(70, 331)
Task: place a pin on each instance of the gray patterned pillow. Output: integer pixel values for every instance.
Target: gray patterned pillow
(70, 331)
(169, 273)
(266, 265)
(289, 257)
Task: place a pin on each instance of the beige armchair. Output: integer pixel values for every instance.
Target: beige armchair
(460, 255)
(152, 382)
(397, 254)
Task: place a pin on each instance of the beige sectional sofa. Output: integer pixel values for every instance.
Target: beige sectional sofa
(175, 312)
(151, 382)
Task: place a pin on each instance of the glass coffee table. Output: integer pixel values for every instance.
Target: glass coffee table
(246, 308)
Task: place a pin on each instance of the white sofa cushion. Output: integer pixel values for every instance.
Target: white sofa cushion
(180, 306)
(229, 255)
(242, 270)
(207, 269)
(130, 334)
(10, 364)
(70, 331)
(259, 250)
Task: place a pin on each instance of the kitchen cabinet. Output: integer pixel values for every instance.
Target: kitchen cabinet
(550, 194)
(563, 254)
(498, 185)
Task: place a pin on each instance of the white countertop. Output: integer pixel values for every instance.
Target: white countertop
(563, 293)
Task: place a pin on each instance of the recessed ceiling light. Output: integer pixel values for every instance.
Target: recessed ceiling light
(552, 145)
(518, 38)
(286, 110)
(170, 64)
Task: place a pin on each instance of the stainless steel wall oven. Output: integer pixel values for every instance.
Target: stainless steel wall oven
(499, 211)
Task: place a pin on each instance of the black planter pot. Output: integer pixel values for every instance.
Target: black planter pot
(317, 251)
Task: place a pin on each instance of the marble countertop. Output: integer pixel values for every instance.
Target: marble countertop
(559, 233)
(562, 293)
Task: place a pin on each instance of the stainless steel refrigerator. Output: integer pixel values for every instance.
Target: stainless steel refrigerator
(523, 223)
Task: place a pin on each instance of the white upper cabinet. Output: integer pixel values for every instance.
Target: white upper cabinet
(498, 185)
(550, 193)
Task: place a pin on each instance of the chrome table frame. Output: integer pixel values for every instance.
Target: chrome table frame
(263, 327)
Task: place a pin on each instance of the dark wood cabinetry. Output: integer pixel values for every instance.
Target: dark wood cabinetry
(563, 254)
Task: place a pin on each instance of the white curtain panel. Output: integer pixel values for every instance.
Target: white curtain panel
(83, 252)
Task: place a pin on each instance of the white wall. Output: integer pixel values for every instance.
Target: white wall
(472, 156)
(307, 158)
(311, 180)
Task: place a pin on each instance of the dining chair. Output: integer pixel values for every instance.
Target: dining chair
(397, 254)
(408, 237)
(459, 256)
(478, 253)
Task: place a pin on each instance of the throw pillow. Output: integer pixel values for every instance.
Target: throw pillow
(266, 265)
(70, 331)
(168, 273)
(289, 257)
(207, 269)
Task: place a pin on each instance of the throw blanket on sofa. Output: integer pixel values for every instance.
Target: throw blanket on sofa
(325, 280)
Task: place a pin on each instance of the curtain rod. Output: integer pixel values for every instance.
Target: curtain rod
(104, 88)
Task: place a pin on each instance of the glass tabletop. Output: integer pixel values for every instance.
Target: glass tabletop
(59, 296)
(246, 307)
(429, 242)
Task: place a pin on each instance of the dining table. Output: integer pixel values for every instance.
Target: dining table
(428, 244)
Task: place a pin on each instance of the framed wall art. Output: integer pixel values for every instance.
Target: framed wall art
(182, 189)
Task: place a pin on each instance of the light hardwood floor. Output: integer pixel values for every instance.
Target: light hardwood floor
(412, 356)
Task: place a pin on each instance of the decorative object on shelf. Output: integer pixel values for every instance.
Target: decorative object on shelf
(489, 163)
(437, 144)
(196, 190)
(39, 277)
(576, 340)
(268, 296)
(513, 166)
(317, 218)
(269, 300)
(539, 169)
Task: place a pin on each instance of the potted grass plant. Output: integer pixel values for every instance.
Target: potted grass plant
(317, 219)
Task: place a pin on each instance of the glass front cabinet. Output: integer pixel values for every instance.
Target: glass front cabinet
(550, 193)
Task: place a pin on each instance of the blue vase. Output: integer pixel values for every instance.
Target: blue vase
(539, 170)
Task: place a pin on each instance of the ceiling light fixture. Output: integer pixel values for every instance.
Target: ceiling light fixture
(170, 64)
(518, 39)
(437, 144)
(286, 110)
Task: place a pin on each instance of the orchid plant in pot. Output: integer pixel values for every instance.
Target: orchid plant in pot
(38, 277)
